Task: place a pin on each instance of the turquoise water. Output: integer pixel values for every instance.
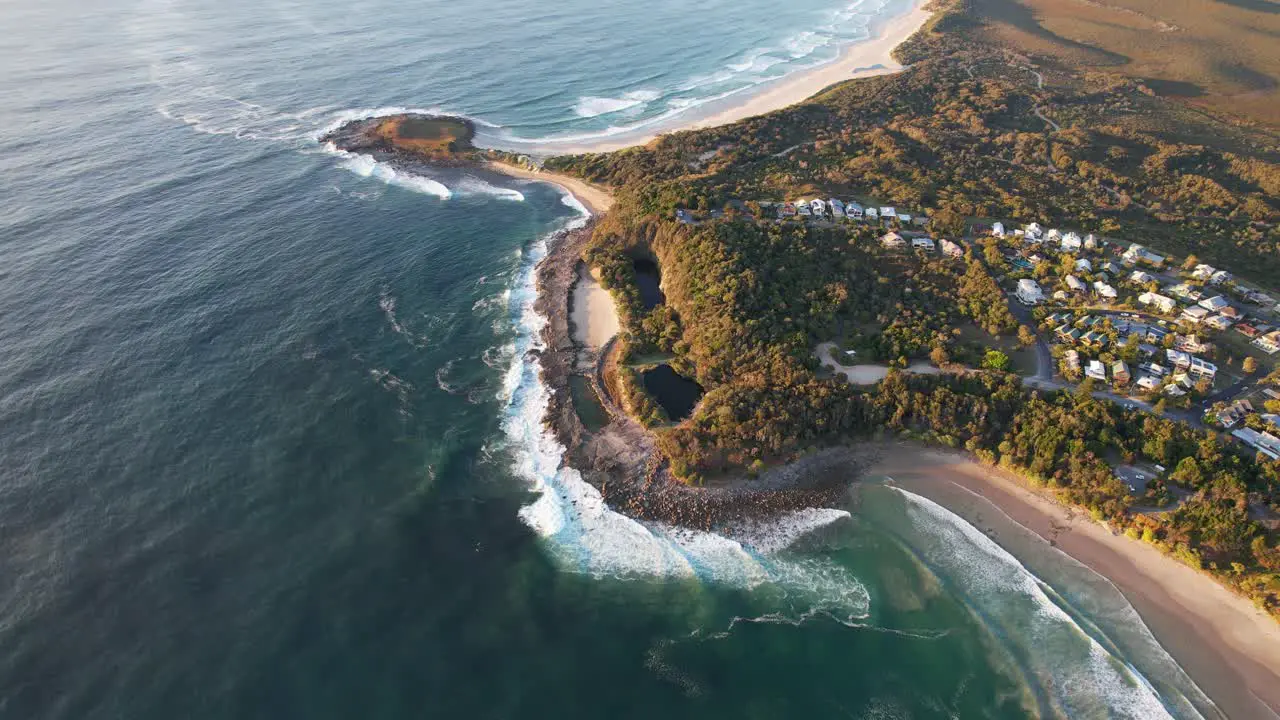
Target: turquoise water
(271, 439)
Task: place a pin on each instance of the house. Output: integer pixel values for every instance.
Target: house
(1058, 318)
(837, 208)
(818, 208)
(872, 213)
(1203, 272)
(1076, 284)
(893, 240)
(1097, 371)
(1164, 304)
(1195, 315)
(1105, 290)
(787, 210)
(684, 217)
(1095, 337)
(951, 249)
(803, 209)
(1149, 383)
(1072, 360)
(1174, 391)
(1248, 330)
(1214, 304)
(1231, 313)
(1090, 242)
(1054, 235)
(1219, 277)
(1265, 443)
(1083, 265)
(1032, 230)
(923, 243)
(1138, 254)
(1154, 368)
(1269, 343)
(1219, 322)
(1029, 292)
(1071, 242)
(1141, 278)
(904, 218)
(1178, 359)
(1184, 291)
(1203, 368)
(1191, 344)
(997, 229)
(888, 213)
(1120, 372)
(1068, 334)
(1111, 268)
(853, 210)
(1234, 413)
(921, 219)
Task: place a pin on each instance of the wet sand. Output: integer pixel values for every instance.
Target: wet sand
(1226, 645)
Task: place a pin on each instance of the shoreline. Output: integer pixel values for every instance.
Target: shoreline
(1229, 648)
(866, 58)
(597, 200)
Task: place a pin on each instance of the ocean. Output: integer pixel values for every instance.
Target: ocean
(271, 430)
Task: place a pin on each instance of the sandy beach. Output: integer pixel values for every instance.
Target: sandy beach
(596, 199)
(1226, 645)
(867, 58)
(593, 316)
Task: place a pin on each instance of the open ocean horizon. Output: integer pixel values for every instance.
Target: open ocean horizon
(273, 441)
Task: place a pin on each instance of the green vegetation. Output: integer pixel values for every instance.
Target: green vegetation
(747, 299)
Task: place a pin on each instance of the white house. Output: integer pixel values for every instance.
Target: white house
(1165, 304)
(1033, 230)
(837, 208)
(923, 243)
(1083, 265)
(1090, 242)
(1195, 315)
(1203, 368)
(951, 249)
(1097, 371)
(1220, 322)
(872, 213)
(904, 218)
(1148, 383)
(1104, 290)
(1076, 284)
(893, 240)
(1219, 277)
(997, 229)
(818, 207)
(802, 208)
(1071, 242)
(1029, 292)
(1141, 278)
(1214, 304)
(853, 210)
(1203, 272)
(1054, 235)
(1265, 443)
(888, 213)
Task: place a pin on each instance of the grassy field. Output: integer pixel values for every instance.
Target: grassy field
(1220, 55)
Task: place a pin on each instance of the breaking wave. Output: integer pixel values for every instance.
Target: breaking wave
(1080, 677)
(589, 107)
(366, 166)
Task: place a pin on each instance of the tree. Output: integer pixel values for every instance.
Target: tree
(1250, 365)
(938, 355)
(1026, 337)
(995, 360)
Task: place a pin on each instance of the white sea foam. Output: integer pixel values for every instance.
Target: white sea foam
(366, 166)
(1078, 672)
(475, 186)
(590, 106)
